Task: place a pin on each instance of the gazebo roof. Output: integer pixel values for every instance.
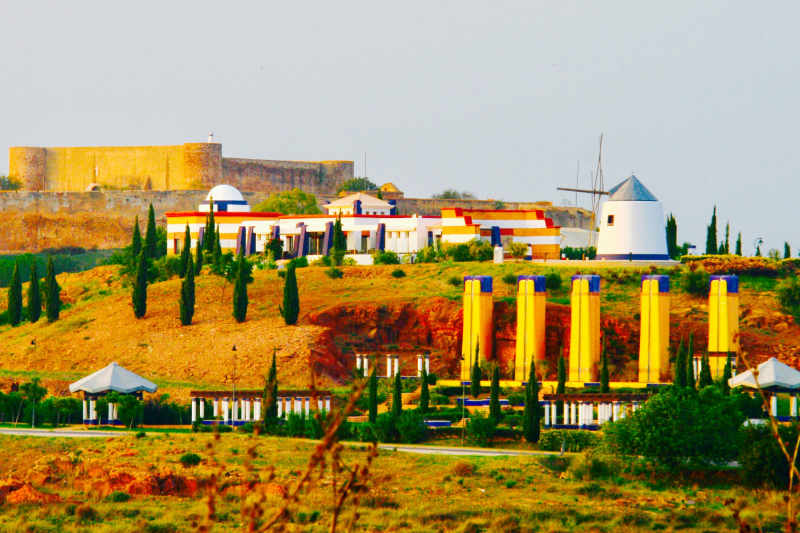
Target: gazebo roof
(772, 374)
(113, 378)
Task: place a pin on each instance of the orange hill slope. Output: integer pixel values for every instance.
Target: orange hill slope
(368, 310)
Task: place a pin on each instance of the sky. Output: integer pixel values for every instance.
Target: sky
(502, 99)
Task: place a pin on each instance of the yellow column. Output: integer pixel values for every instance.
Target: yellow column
(477, 322)
(584, 346)
(723, 321)
(654, 336)
(531, 292)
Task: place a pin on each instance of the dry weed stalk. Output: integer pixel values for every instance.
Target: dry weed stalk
(791, 520)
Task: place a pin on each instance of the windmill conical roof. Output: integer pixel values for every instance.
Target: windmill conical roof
(631, 190)
(113, 377)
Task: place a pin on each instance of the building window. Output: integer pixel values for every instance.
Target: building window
(364, 243)
(610, 220)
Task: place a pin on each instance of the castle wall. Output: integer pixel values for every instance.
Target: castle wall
(273, 176)
(189, 166)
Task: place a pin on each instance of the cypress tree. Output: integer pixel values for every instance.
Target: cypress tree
(187, 294)
(15, 297)
(494, 397)
(739, 244)
(705, 373)
(604, 386)
(240, 300)
(679, 379)
(475, 382)
(758, 250)
(561, 387)
(198, 258)
(711, 235)
(531, 414)
(136, 241)
(291, 300)
(34, 296)
(397, 396)
(727, 238)
(339, 241)
(373, 396)
(53, 292)
(150, 239)
(726, 375)
(209, 238)
(217, 254)
(271, 403)
(139, 295)
(186, 252)
(691, 381)
(672, 237)
(424, 393)
(787, 250)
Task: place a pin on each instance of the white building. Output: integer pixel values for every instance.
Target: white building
(359, 204)
(632, 224)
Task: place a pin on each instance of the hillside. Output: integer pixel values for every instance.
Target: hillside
(368, 310)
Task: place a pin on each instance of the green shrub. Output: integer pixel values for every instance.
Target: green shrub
(324, 260)
(428, 255)
(385, 257)
(455, 281)
(457, 252)
(334, 273)
(398, 273)
(282, 273)
(516, 398)
(552, 281)
(579, 253)
(788, 292)
(296, 425)
(510, 279)
(573, 440)
(555, 463)
(300, 262)
(696, 282)
(439, 399)
(411, 427)
(480, 430)
(762, 460)
(679, 427)
(591, 465)
(118, 496)
(190, 459)
(481, 250)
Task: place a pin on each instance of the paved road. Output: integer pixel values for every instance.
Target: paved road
(441, 450)
(60, 433)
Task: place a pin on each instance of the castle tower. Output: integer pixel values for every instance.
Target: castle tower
(632, 224)
(531, 293)
(477, 323)
(584, 341)
(654, 335)
(723, 322)
(29, 165)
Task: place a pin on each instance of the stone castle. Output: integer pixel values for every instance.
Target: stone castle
(188, 166)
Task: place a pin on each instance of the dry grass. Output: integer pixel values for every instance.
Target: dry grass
(406, 492)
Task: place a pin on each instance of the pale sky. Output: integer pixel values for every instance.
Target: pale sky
(498, 98)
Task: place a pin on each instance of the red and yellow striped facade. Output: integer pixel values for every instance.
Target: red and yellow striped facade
(529, 227)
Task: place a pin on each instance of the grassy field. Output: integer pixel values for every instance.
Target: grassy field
(83, 480)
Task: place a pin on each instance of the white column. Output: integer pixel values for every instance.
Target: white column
(308, 406)
(546, 414)
(92, 411)
(280, 407)
(225, 410)
(116, 413)
(194, 408)
(572, 413)
(215, 407)
(246, 410)
(257, 409)
(328, 404)
(615, 411)
(298, 405)
(773, 404)
(419, 364)
(565, 420)
(427, 364)
(85, 410)
(358, 361)
(396, 364)
(388, 365)
(365, 363)
(793, 411)
(202, 408)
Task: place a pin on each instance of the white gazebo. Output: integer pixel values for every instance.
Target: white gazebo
(111, 378)
(773, 377)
